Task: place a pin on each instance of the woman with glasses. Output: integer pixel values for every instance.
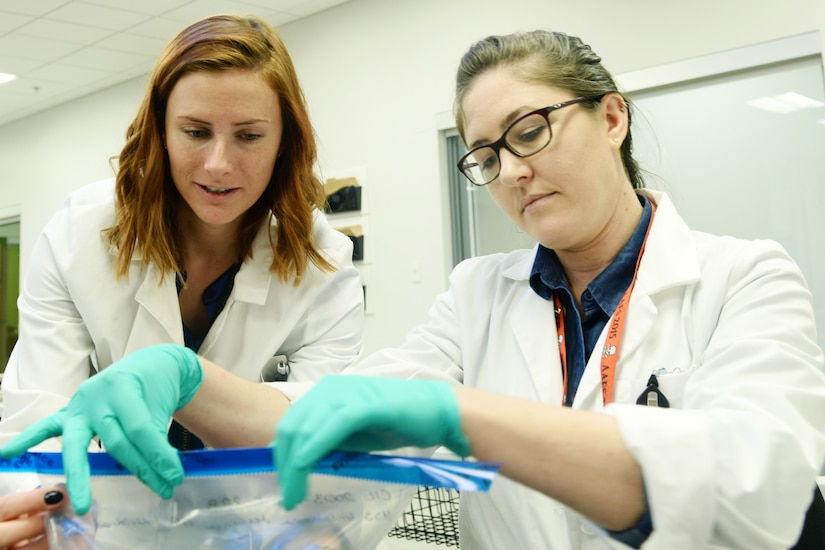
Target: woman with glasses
(640, 383)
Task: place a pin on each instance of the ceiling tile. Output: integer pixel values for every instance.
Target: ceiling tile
(158, 27)
(276, 5)
(66, 32)
(14, 90)
(64, 49)
(148, 7)
(313, 6)
(11, 21)
(98, 16)
(132, 43)
(106, 82)
(141, 69)
(103, 59)
(42, 49)
(34, 89)
(35, 8)
(63, 74)
(18, 65)
(204, 8)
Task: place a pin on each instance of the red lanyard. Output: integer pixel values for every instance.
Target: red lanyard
(610, 352)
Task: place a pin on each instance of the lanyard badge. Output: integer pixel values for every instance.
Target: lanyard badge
(652, 396)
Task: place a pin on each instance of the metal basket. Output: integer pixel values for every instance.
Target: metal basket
(431, 517)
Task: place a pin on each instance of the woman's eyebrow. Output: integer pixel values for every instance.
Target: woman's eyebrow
(514, 114)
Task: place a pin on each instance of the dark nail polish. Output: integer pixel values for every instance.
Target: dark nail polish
(53, 497)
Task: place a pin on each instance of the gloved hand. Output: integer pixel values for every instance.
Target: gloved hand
(128, 405)
(363, 414)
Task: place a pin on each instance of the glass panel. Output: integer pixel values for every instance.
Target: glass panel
(479, 225)
(734, 168)
(461, 226)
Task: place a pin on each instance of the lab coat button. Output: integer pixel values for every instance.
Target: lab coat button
(587, 530)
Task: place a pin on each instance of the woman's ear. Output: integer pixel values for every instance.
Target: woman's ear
(616, 116)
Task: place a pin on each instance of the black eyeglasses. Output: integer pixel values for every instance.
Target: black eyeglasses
(527, 135)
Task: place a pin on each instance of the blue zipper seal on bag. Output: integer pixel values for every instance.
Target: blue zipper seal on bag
(428, 472)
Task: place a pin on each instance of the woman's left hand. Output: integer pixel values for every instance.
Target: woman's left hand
(21, 519)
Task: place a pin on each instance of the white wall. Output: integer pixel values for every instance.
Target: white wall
(377, 74)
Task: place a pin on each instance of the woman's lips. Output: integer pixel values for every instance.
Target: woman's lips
(217, 192)
(530, 200)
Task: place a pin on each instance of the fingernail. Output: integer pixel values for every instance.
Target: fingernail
(52, 497)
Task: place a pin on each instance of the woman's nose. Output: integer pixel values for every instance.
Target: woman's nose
(218, 157)
(512, 168)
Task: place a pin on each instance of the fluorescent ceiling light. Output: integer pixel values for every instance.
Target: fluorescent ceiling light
(5, 77)
(799, 101)
(771, 104)
(785, 103)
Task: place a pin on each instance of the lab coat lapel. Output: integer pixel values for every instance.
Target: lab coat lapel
(157, 300)
(253, 281)
(533, 326)
(669, 260)
(158, 317)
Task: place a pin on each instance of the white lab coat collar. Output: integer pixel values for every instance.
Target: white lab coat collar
(668, 242)
(670, 259)
(157, 293)
(253, 280)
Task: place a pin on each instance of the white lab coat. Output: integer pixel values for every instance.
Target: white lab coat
(75, 316)
(732, 463)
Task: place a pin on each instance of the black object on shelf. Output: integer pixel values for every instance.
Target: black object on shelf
(343, 195)
(357, 247)
(356, 235)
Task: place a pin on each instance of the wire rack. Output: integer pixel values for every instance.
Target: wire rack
(431, 517)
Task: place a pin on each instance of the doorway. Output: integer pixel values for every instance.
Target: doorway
(9, 286)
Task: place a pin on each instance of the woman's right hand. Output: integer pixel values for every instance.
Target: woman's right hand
(363, 414)
(21, 517)
(129, 405)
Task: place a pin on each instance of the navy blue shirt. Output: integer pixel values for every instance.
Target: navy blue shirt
(214, 298)
(598, 301)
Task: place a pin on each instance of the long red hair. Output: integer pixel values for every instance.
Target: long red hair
(146, 198)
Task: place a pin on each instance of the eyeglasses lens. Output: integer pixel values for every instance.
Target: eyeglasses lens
(481, 166)
(526, 137)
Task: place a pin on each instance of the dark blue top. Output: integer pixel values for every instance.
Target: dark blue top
(214, 298)
(599, 301)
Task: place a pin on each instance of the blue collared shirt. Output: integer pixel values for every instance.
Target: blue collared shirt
(598, 301)
(214, 298)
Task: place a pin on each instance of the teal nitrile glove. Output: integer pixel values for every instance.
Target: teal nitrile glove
(363, 414)
(128, 405)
